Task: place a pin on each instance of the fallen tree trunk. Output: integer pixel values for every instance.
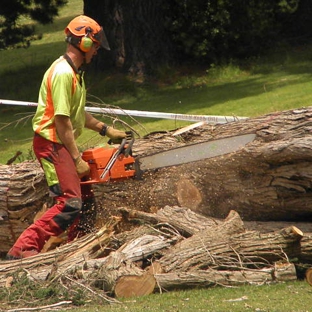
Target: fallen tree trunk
(268, 180)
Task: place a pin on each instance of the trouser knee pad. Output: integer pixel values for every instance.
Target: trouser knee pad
(70, 212)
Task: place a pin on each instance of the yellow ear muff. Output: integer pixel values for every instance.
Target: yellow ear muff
(85, 44)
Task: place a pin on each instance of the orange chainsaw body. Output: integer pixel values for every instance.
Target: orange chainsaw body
(98, 159)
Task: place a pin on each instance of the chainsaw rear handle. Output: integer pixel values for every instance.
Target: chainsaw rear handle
(129, 141)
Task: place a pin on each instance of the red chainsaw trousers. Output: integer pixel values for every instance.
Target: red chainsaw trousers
(64, 186)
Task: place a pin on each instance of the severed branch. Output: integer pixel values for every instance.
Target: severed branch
(50, 306)
(11, 160)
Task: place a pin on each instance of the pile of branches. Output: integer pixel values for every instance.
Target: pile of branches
(172, 249)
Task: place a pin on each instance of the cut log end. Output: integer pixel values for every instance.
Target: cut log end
(296, 231)
(135, 286)
(309, 276)
(188, 194)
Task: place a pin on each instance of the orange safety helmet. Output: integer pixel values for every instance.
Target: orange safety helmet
(87, 32)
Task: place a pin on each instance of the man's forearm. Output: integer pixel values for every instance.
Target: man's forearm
(92, 123)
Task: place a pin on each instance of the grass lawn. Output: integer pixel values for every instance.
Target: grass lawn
(282, 297)
(263, 298)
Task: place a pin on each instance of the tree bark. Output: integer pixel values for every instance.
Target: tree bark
(208, 278)
(181, 219)
(249, 249)
(22, 194)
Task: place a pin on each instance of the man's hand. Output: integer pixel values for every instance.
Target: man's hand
(115, 135)
(82, 167)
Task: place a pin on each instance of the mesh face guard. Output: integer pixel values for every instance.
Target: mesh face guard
(101, 39)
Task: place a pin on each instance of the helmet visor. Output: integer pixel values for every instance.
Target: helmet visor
(100, 37)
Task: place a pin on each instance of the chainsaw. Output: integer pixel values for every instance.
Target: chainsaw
(109, 164)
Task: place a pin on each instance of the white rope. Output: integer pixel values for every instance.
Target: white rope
(186, 117)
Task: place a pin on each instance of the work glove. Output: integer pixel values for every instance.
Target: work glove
(115, 135)
(82, 167)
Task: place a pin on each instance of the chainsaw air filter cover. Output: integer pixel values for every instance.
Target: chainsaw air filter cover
(107, 164)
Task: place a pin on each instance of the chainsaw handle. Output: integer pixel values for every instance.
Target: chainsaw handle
(130, 142)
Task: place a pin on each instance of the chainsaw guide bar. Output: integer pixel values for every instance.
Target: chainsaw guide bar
(193, 152)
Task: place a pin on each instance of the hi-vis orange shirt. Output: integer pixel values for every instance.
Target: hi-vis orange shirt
(62, 92)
